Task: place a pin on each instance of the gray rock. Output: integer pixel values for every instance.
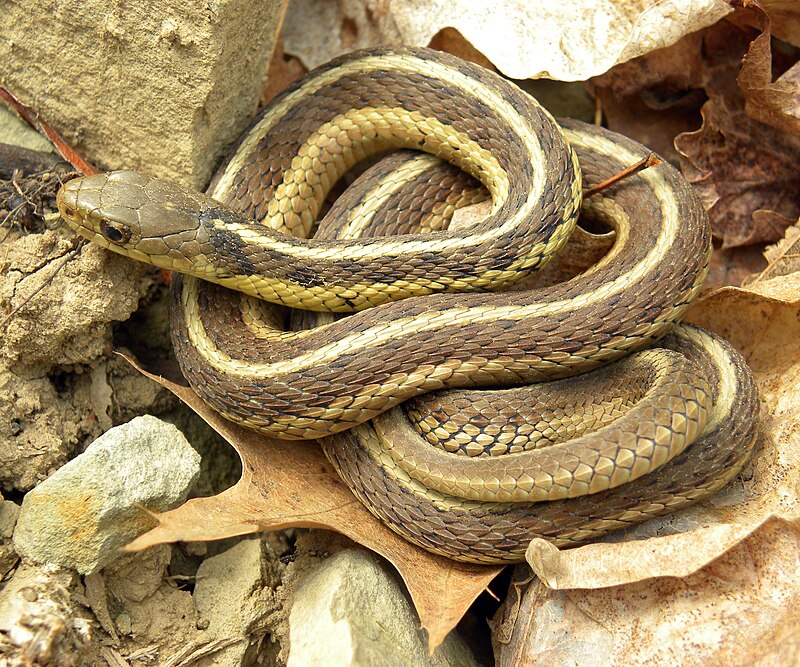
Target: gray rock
(13, 130)
(85, 512)
(351, 611)
(235, 598)
(9, 513)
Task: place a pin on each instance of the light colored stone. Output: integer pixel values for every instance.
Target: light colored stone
(351, 611)
(85, 512)
(145, 604)
(164, 88)
(234, 593)
(9, 513)
(13, 130)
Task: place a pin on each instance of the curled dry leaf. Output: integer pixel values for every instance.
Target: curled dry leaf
(291, 484)
(570, 40)
(734, 266)
(778, 103)
(656, 97)
(734, 559)
(738, 610)
(785, 15)
(742, 169)
(783, 257)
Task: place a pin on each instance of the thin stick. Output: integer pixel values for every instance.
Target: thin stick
(491, 594)
(598, 112)
(651, 160)
(33, 119)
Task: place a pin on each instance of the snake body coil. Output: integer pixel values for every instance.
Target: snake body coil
(314, 383)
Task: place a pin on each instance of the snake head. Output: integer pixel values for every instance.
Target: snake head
(148, 219)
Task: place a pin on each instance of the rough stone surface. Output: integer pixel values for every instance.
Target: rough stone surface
(71, 323)
(9, 511)
(81, 515)
(60, 386)
(164, 91)
(351, 611)
(43, 619)
(234, 593)
(144, 603)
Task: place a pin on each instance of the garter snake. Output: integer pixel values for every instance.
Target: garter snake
(248, 234)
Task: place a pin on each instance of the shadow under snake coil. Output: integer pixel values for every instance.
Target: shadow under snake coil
(660, 414)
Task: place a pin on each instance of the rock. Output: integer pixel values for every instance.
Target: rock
(13, 130)
(43, 620)
(9, 513)
(162, 89)
(85, 512)
(351, 611)
(146, 605)
(55, 370)
(235, 595)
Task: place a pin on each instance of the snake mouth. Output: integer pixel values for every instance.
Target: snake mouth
(67, 201)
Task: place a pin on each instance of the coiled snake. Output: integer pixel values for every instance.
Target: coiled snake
(675, 422)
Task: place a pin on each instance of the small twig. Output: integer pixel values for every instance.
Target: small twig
(64, 259)
(194, 652)
(598, 112)
(652, 160)
(35, 121)
(491, 594)
(8, 218)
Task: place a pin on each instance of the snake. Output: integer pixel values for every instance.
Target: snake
(432, 314)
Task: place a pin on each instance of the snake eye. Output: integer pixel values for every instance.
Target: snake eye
(116, 232)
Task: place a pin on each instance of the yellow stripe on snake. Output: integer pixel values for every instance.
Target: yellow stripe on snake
(473, 475)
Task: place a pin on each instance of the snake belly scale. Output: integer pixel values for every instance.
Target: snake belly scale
(249, 235)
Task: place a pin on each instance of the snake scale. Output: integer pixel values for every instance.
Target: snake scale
(660, 415)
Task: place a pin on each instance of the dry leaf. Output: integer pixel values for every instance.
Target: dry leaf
(733, 562)
(286, 484)
(571, 40)
(784, 256)
(742, 169)
(656, 97)
(785, 15)
(734, 266)
(778, 103)
(283, 71)
(738, 610)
